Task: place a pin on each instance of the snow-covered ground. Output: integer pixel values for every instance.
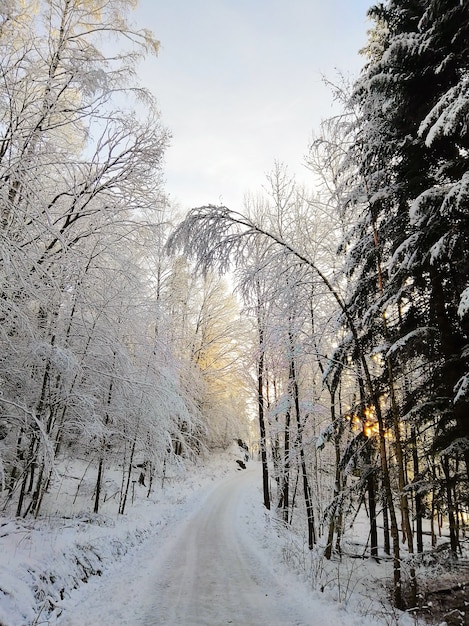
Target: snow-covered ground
(202, 550)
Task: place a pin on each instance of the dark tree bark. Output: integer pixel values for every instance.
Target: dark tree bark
(261, 407)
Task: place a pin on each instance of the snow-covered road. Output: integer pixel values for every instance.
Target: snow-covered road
(210, 573)
(203, 568)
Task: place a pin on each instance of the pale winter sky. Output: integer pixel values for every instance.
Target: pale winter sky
(239, 85)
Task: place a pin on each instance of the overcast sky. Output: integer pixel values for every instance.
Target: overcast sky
(239, 85)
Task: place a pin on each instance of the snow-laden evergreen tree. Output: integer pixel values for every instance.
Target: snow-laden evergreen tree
(407, 173)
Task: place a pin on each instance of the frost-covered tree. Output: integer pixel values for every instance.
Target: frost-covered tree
(88, 366)
(277, 251)
(405, 175)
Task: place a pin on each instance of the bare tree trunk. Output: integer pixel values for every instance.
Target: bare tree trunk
(29, 464)
(397, 575)
(19, 505)
(129, 476)
(99, 480)
(150, 477)
(337, 482)
(371, 486)
(337, 429)
(294, 391)
(99, 477)
(260, 406)
(285, 478)
(453, 536)
(386, 537)
(293, 498)
(19, 456)
(419, 505)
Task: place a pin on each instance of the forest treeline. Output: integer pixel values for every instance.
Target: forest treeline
(121, 345)
(112, 354)
(361, 296)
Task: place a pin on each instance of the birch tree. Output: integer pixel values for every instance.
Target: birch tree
(80, 182)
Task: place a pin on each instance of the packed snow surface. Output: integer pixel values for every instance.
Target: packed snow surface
(205, 552)
(204, 569)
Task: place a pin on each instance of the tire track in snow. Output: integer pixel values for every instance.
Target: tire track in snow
(208, 573)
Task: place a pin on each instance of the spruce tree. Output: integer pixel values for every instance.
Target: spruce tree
(406, 175)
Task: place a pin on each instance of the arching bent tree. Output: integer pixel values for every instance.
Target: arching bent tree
(217, 237)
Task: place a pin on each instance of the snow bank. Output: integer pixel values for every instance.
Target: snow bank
(44, 560)
(97, 569)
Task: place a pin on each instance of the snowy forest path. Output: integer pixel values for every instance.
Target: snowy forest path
(210, 573)
(205, 567)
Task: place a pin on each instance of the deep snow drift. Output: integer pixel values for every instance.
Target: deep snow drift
(202, 550)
